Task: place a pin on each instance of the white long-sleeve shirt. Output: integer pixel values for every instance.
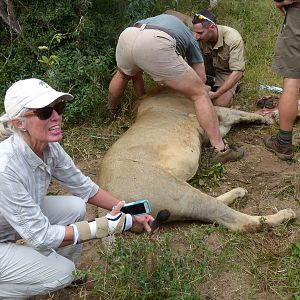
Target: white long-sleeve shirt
(24, 182)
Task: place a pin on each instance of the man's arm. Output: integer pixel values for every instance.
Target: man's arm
(199, 68)
(229, 83)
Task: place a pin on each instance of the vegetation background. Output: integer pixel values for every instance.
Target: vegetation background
(70, 45)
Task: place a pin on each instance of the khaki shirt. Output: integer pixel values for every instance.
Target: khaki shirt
(228, 54)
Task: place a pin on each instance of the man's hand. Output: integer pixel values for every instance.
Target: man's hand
(213, 95)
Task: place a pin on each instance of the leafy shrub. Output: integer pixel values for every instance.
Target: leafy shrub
(76, 42)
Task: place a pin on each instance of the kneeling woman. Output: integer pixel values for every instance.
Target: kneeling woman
(52, 226)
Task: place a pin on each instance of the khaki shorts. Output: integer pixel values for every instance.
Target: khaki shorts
(150, 50)
(286, 60)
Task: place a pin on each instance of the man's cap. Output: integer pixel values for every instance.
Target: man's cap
(30, 93)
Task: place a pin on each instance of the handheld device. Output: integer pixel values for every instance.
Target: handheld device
(137, 208)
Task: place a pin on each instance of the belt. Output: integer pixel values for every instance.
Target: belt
(149, 26)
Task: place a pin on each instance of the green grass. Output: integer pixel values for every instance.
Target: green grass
(183, 262)
(139, 268)
(206, 178)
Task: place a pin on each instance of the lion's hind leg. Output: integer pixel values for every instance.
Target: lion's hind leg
(247, 223)
(233, 195)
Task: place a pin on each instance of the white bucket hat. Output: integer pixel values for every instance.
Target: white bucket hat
(30, 93)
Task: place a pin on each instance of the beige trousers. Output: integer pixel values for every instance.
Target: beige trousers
(25, 272)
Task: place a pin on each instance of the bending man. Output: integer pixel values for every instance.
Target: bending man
(159, 46)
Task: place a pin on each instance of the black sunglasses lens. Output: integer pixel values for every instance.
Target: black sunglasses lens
(60, 107)
(45, 113)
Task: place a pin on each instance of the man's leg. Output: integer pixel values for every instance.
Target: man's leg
(288, 104)
(24, 272)
(192, 87)
(118, 86)
(286, 64)
(138, 84)
(281, 144)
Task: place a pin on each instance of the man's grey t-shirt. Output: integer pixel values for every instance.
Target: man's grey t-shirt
(186, 44)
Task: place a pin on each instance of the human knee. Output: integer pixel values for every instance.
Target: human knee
(78, 210)
(198, 91)
(195, 92)
(67, 270)
(123, 76)
(64, 275)
(74, 210)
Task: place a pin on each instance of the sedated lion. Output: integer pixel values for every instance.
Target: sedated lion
(160, 152)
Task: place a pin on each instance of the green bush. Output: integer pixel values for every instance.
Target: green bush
(76, 42)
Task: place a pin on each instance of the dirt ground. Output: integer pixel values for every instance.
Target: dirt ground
(272, 184)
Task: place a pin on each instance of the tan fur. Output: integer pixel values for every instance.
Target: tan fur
(161, 151)
(273, 113)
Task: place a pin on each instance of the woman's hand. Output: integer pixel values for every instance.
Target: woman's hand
(141, 223)
(117, 208)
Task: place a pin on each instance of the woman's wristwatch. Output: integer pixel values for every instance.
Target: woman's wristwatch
(278, 0)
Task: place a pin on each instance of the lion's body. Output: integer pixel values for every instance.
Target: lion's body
(161, 151)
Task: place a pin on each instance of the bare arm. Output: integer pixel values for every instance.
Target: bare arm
(69, 237)
(229, 83)
(105, 200)
(100, 199)
(199, 68)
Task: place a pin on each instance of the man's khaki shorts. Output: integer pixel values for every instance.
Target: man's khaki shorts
(150, 50)
(286, 60)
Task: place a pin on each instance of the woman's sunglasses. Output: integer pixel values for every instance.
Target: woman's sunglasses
(45, 113)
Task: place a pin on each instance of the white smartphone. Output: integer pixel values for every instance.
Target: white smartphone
(137, 208)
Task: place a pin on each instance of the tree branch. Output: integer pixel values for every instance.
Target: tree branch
(8, 15)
